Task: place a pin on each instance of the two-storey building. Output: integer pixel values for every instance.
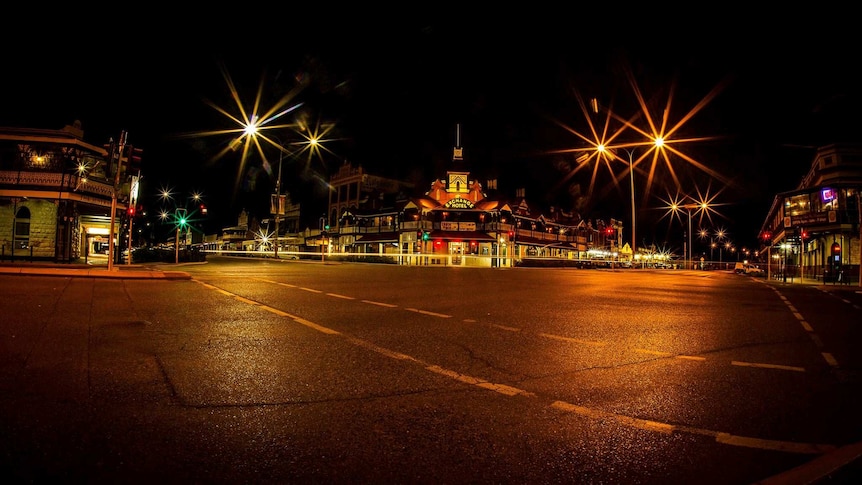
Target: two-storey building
(814, 230)
(57, 190)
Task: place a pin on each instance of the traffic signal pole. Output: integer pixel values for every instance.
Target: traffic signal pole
(118, 151)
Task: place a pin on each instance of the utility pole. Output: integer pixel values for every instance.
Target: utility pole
(116, 150)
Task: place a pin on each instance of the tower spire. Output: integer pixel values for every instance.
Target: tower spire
(458, 152)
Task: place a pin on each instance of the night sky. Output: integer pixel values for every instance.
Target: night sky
(761, 94)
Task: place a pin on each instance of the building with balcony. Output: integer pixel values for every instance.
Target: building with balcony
(57, 190)
(813, 231)
(458, 221)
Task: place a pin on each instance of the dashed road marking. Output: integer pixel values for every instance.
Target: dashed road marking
(805, 325)
(830, 359)
(720, 437)
(767, 366)
(507, 390)
(426, 312)
(387, 305)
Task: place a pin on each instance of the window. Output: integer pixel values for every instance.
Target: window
(22, 228)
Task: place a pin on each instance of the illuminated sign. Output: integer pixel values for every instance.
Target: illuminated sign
(827, 194)
(457, 226)
(459, 203)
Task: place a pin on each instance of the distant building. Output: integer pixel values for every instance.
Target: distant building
(457, 223)
(814, 230)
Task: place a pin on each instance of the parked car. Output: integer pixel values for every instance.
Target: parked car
(754, 270)
(749, 269)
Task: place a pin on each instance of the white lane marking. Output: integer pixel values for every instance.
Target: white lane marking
(426, 312)
(724, 438)
(767, 366)
(649, 425)
(475, 381)
(830, 359)
(387, 305)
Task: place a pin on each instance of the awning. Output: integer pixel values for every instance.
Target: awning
(534, 241)
(461, 236)
(378, 237)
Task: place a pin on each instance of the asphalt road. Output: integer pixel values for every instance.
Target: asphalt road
(296, 372)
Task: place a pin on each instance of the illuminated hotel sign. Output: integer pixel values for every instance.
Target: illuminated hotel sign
(459, 203)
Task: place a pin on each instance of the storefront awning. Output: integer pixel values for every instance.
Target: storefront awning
(533, 241)
(378, 237)
(461, 236)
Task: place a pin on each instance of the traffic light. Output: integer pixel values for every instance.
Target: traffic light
(131, 211)
(767, 235)
(203, 209)
(425, 235)
(135, 155)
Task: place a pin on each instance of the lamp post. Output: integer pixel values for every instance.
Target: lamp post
(632, 183)
(278, 204)
(688, 208)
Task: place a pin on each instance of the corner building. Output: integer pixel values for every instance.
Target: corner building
(814, 231)
(56, 193)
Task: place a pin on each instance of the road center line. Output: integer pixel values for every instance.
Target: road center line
(387, 305)
(426, 312)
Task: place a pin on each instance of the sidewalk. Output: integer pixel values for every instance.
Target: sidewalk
(815, 282)
(96, 270)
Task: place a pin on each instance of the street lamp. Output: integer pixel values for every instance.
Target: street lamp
(279, 207)
(688, 208)
(632, 182)
(656, 143)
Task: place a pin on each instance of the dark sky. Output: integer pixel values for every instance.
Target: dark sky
(395, 86)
